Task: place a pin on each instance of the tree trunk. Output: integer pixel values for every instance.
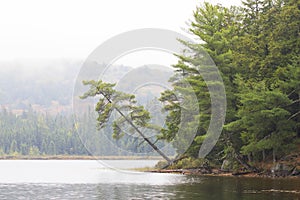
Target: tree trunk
(141, 134)
(146, 139)
(274, 156)
(264, 155)
(244, 163)
(249, 157)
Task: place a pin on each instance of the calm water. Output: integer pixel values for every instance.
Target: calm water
(111, 180)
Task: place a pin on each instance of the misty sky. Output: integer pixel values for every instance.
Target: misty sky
(35, 30)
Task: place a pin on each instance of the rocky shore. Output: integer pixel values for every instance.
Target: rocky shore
(288, 166)
(279, 170)
(199, 172)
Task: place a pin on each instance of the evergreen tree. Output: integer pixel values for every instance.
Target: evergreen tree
(129, 114)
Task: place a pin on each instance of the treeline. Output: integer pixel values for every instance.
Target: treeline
(33, 133)
(256, 48)
(37, 134)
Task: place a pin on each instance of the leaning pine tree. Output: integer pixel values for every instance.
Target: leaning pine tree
(125, 105)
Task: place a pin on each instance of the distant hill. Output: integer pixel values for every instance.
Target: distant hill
(48, 87)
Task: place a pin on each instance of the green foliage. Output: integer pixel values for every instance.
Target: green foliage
(34, 151)
(124, 104)
(256, 48)
(265, 93)
(129, 116)
(216, 27)
(34, 134)
(190, 163)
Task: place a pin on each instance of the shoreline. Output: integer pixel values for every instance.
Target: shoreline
(192, 172)
(218, 173)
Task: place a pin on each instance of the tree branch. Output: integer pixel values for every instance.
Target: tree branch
(139, 132)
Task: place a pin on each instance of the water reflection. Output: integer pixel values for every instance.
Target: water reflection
(86, 180)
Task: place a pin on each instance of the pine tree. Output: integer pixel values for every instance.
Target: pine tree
(136, 117)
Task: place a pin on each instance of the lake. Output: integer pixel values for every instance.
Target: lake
(90, 179)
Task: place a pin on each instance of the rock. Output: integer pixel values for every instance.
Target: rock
(226, 165)
(295, 172)
(205, 171)
(281, 169)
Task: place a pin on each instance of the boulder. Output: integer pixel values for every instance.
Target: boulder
(226, 165)
(281, 169)
(295, 172)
